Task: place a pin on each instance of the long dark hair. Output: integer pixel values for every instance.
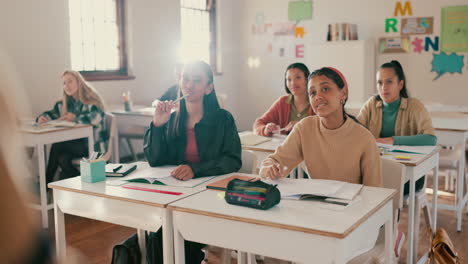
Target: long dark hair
(302, 67)
(396, 66)
(338, 78)
(210, 101)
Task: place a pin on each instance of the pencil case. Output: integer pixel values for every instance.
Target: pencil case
(256, 194)
(93, 171)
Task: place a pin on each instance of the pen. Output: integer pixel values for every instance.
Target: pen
(150, 190)
(175, 101)
(117, 168)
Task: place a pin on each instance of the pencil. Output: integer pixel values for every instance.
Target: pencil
(180, 98)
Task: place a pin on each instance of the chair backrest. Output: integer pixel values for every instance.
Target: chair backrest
(249, 162)
(112, 147)
(393, 174)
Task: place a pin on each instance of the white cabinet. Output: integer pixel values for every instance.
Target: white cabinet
(355, 59)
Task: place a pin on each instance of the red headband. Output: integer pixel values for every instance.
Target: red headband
(341, 76)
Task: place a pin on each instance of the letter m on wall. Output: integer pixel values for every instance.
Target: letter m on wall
(403, 10)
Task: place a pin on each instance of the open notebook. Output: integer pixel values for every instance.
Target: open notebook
(162, 176)
(250, 139)
(299, 189)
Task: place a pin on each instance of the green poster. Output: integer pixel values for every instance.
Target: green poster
(454, 29)
(299, 10)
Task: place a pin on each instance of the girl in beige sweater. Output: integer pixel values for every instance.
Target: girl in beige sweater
(333, 144)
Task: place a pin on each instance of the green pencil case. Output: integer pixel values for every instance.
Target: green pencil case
(257, 194)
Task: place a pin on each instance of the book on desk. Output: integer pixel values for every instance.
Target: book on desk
(221, 185)
(162, 176)
(328, 191)
(119, 170)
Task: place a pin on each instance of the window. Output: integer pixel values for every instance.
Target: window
(198, 31)
(97, 38)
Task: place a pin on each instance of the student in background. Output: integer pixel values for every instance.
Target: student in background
(82, 104)
(393, 117)
(199, 136)
(396, 119)
(333, 144)
(288, 109)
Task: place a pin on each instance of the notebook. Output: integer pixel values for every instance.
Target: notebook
(252, 139)
(58, 123)
(300, 189)
(162, 176)
(171, 181)
(221, 185)
(119, 170)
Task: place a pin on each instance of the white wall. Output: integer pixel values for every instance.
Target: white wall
(35, 35)
(262, 85)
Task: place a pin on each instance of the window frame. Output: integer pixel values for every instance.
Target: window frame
(214, 62)
(123, 72)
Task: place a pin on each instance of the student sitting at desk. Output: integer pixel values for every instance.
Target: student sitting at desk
(82, 104)
(199, 137)
(396, 119)
(333, 144)
(393, 117)
(288, 109)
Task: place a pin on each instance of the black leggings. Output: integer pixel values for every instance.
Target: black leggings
(62, 154)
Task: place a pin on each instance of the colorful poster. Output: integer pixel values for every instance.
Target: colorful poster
(299, 10)
(454, 29)
(443, 63)
(417, 25)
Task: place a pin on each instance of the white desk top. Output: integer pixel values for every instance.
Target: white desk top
(119, 193)
(269, 146)
(416, 159)
(303, 216)
(30, 129)
(450, 123)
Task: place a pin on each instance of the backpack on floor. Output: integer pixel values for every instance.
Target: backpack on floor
(128, 252)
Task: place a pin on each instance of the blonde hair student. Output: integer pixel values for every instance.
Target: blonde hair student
(333, 144)
(82, 104)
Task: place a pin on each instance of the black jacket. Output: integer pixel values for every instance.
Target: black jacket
(218, 144)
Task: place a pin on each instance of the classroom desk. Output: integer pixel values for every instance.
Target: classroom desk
(417, 167)
(145, 211)
(293, 230)
(38, 138)
(132, 125)
(264, 149)
(454, 131)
